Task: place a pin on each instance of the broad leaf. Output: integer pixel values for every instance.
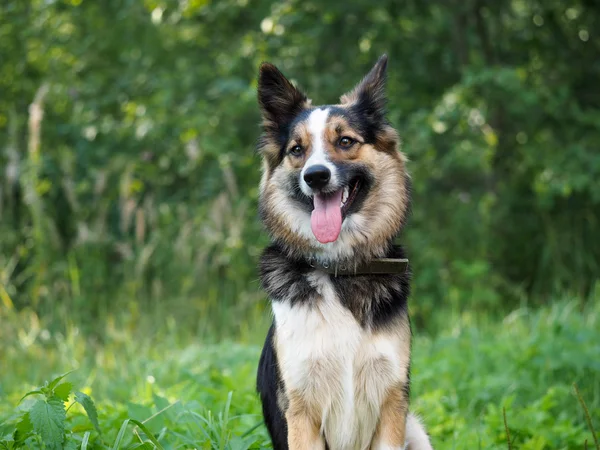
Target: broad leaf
(90, 409)
(70, 445)
(63, 390)
(52, 384)
(23, 429)
(48, 419)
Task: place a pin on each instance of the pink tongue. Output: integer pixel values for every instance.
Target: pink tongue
(326, 218)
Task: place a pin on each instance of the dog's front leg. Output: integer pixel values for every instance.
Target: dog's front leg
(391, 430)
(303, 426)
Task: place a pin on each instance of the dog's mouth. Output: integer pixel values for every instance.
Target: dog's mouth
(330, 210)
(349, 195)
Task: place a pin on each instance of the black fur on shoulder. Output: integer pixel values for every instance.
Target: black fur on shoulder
(284, 278)
(374, 300)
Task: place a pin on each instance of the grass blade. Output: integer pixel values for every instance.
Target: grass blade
(120, 436)
(224, 437)
(506, 428)
(587, 416)
(147, 432)
(252, 430)
(85, 440)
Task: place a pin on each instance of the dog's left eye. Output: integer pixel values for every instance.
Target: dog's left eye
(346, 142)
(296, 150)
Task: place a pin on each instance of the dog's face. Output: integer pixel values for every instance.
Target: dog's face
(334, 184)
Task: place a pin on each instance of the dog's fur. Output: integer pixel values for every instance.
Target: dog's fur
(334, 372)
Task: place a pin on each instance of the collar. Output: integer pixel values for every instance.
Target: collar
(377, 266)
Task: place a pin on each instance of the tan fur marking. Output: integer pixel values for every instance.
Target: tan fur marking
(295, 162)
(300, 136)
(303, 425)
(388, 140)
(338, 127)
(270, 154)
(391, 430)
(389, 193)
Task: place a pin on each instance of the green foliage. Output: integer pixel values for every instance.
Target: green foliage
(48, 419)
(202, 396)
(45, 425)
(130, 205)
(89, 407)
(63, 390)
(139, 183)
(44, 420)
(587, 416)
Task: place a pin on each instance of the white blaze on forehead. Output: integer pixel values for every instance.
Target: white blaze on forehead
(317, 122)
(316, 127)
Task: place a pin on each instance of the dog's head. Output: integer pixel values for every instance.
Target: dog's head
(334, 184)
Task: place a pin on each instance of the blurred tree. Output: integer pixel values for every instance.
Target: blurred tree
(146, 183)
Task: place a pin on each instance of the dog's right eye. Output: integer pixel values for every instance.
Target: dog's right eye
(296, 150)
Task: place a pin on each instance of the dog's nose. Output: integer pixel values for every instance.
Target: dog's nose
(317, 176)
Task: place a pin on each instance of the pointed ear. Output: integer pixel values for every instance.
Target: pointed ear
(279, 100)
(369, 94)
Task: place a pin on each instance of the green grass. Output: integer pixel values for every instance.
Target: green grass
(187, 394)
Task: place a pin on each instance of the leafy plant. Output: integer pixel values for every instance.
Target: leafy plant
(43, 422)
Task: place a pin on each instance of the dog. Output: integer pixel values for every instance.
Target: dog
(334, 193)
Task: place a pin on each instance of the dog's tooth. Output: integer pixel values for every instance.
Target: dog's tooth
(345, 195)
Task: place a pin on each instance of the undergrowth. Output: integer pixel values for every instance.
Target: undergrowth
(474, 383)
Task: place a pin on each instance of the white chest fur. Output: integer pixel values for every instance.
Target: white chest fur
(340, 369)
